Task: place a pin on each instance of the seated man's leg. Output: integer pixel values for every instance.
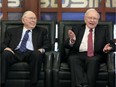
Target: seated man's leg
(77, 65)
(35, 62)
(93, 65)
(8, 58)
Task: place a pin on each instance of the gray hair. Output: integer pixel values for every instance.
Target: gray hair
(91, 9)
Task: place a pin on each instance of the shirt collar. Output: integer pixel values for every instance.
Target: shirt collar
(88, 28)
(25, 29)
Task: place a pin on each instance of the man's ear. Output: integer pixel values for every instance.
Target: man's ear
(85, 19)
(22, 20)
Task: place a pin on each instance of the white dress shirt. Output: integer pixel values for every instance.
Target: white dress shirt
(29, 44)
(84, 44)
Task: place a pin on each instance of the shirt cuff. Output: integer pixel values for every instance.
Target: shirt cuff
(41, 50)
(71, 43)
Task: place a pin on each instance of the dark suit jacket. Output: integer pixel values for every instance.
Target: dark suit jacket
(39, 38)
(100, 40)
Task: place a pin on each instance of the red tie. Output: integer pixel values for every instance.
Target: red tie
(90, 51)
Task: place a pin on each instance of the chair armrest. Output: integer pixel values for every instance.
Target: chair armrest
(48, 60)
(56, 62)
(48, 69)
(56, 67)
(111, 62)
(111, 69)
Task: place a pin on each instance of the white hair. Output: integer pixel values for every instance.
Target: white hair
(91, 9)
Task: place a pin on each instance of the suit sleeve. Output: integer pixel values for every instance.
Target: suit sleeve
(6, 41)
(46, 41)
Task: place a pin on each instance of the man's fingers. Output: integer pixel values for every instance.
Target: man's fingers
(70, 32)
(9, 50)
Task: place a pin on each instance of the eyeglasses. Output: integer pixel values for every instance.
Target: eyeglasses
(32, 18)
(92, 18)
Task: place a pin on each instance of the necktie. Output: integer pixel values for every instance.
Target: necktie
(24, 41)
(90, 51)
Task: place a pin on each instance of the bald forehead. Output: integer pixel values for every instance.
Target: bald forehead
(29, 14)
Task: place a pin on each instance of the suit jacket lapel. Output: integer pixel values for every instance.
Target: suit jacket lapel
(80, 36)
(81, 33)
(19, 34)
(96, 37)
(34, 37)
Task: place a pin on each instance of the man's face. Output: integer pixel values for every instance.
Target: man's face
(91, 19)
(29, 20)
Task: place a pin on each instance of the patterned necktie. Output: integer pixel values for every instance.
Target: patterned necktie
(24, 41)
(90, 51)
